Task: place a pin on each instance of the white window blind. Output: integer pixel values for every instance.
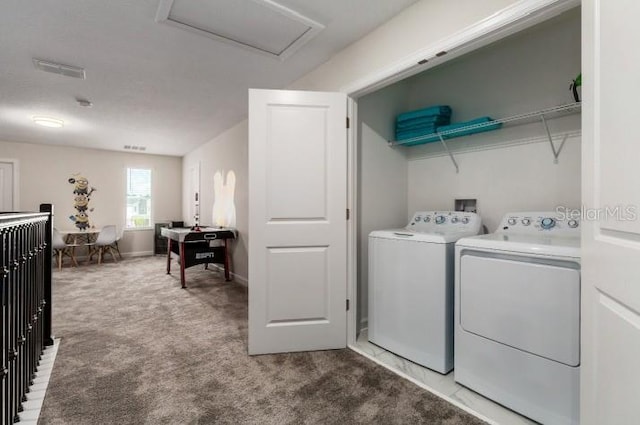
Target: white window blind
(138, 198)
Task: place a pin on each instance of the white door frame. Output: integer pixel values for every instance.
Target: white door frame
(16, 178)
(510, 20)
(610, 310)
(352, 223)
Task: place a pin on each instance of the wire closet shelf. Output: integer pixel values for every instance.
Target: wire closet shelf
(539, 115)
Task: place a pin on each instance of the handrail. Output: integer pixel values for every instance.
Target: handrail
(12, 219)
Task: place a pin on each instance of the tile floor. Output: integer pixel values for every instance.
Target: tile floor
(35, 398)
(442, 385)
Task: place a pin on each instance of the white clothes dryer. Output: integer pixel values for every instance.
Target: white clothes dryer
(517, 315)
(411, 286)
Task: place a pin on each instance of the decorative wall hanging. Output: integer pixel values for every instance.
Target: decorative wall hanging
(224, 207)
(82, 196)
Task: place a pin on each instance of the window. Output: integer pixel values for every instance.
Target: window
(138, 198)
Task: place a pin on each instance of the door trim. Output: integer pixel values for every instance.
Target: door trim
(510, 20)
(352, 228)
(16, 182)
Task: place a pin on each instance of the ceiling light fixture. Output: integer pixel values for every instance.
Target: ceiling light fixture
(48, 122)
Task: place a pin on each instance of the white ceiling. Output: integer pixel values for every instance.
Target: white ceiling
(151, 84)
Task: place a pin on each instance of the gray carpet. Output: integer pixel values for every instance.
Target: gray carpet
(137, 349)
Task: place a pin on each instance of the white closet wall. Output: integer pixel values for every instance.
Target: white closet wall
(505, 170)
(382, 176)
(515, 178)
(529, 71)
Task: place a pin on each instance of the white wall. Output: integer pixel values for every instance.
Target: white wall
(227, 152)
(515, 178)
(528, 71)
(43, 178)
(382, 176)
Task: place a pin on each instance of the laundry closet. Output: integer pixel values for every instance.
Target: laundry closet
(513, 168)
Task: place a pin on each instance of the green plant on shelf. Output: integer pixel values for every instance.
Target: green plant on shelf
(574, 87)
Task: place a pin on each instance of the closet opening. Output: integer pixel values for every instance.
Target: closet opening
(530, 160)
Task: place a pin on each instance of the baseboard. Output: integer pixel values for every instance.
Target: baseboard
(235, 277)
(240, 279)
(137, 254)
(83, 258)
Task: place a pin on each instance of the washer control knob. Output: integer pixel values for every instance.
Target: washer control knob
(573, 223)
(512, 221)
(465, 220)
(526, 221)
(427, 219)
(454, 219)
(440, 219)
(418, 218)
(547, 223)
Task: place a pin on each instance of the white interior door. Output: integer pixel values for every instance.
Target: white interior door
(6, 186)
(610, 376)
(297, 221)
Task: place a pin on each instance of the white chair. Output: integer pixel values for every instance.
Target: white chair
(104, 243)
(115, 244)
(62, 249)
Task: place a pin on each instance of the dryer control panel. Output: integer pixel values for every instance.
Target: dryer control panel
(444, 221)
(558, 223)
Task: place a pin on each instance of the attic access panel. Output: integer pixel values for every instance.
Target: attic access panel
(262, 26)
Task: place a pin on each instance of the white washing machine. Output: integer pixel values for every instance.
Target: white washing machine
(517, 318)
(411, 286)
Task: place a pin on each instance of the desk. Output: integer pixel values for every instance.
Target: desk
(194, 248)
(79, 237)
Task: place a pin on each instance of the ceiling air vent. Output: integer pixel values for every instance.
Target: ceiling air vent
(262, 26)
(58, 68)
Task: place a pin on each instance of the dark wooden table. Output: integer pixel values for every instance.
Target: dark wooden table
(194, 247)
